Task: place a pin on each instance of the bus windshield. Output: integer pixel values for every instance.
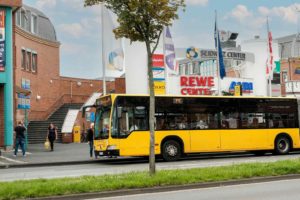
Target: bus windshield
(102, 123)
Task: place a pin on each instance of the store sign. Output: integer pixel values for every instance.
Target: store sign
(226, 54)
(158, 60)
(196, 85)
(159, 87)
(2, 40)
(247, 87)
(212, 54)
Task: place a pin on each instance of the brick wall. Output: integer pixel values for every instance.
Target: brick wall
(1, 115)
(47, 83)
(289, 65)
(10, 3)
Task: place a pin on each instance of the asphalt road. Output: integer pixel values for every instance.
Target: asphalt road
(128, 165)
(275, 190)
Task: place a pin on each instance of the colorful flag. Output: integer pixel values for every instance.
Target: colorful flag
(269, 64)
(112, 47)
(220, 52)
(169, 50)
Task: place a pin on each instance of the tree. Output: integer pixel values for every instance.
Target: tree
(143, 21)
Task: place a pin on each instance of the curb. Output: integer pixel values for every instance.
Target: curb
(48, 164)
(60, 163)
(124, 192)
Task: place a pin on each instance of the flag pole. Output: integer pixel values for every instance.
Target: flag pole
(269, 88)
(217, 48)
(103, 53)
(166, 67)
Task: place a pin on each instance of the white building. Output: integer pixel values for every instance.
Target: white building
(199, 75)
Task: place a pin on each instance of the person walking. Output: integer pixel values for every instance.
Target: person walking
(90, 138)
(20, 138)
(52, 135)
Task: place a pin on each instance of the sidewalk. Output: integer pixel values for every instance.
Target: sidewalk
(36, 155)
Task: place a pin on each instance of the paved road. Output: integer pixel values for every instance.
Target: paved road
(276, 190)
(129, 165)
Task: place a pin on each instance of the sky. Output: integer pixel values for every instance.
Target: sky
(78, 28)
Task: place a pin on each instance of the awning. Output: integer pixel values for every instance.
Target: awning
(23, 91)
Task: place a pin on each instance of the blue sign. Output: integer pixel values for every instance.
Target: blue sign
(92, 116)
(247, 87)
(24, 101)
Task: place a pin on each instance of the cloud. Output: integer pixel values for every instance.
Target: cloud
(197, 2)
(76, 30)
(264, 10)
(45, 4)
(288, 13)
(240, 13)
(72, 48)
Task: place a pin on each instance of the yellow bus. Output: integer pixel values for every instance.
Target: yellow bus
(195, 124)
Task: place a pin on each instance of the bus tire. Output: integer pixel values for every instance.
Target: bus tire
(282, 145)
(171, 150)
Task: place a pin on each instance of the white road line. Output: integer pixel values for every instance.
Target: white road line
(12, 160)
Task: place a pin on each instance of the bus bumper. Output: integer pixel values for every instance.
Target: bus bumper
(114, 152)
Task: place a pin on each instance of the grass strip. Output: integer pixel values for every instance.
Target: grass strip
(84, 184)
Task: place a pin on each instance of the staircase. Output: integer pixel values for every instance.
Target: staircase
(37, 130)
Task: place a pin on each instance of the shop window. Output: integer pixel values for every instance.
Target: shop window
(23, 59)
(28, 60)
(34, 24)
(34, 62)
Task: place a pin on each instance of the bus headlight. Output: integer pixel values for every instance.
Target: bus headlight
(111, 147)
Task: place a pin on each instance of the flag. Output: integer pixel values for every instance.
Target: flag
(220, 52)
(112, 47)
(169, 51)
(269, 63)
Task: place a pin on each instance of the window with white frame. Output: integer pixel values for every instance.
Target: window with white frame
(24, 19)
(34, 62)
(33, 24)
(28, 60)
(18, 18)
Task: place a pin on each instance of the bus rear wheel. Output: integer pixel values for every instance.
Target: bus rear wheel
(282, 145)
(171, 150)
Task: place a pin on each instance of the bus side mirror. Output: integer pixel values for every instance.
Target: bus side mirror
(119, 111)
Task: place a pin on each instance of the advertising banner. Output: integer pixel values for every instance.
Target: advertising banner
(159, 87)
(158, 74)
(2, 40)
(158, 60)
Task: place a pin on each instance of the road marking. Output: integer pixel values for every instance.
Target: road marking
(12, 160)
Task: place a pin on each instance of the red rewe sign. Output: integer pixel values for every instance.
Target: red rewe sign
(196, 85)
(158, 60)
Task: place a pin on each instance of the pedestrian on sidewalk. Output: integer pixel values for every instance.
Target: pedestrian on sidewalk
(52, 135)
(90, 138)
(20, 138)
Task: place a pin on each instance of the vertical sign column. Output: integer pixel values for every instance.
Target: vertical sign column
(2, 40)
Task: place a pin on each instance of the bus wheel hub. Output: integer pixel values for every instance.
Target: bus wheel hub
(172, 150)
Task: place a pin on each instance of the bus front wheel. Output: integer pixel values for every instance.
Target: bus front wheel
(171, 150)
(282, 145)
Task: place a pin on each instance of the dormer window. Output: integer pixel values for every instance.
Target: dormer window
(24, 19)
(33, 24)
